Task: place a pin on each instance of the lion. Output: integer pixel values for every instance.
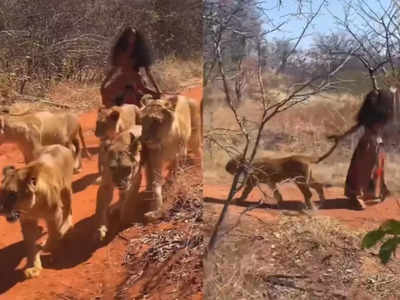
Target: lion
(116, 119)
(272, 171)
(170, 126)
(121, 169)
(111, 121)
(42, 189)
(32, 130)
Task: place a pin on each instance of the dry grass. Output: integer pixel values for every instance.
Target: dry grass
(297, 258)
(80, 96)
(172, 73)
(302, 130)
(166, 259)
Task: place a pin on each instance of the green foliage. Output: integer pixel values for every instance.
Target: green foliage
(389, 227)
(372, 238)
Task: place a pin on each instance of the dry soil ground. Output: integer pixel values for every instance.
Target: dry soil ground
(85, 271)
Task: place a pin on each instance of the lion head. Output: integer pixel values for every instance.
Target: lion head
(123, 157)
(157, 117)
(17, 193)
(234, 164)
(106, 122)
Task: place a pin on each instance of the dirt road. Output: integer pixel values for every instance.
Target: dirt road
(337, 205)
(85, 272)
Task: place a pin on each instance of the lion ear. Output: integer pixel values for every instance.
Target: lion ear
(146, 100)
(27, 176)
(31, 183)
(114, 116)
(8, 170)
(172, 102)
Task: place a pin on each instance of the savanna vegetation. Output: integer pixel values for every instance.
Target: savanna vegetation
(284, 91)
(45, 45)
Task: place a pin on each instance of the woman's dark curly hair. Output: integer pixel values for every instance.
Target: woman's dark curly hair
(141, 54)
(376, 108)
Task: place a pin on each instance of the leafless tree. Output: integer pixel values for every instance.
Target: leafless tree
(376, 34)
(271, 105)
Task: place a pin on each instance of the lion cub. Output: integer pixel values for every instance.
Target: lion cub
(272, 171)
(170, 126)
(40, 190)
(32, 130)
(121, 168)
(111, 121)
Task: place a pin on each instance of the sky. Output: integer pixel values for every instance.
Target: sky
(323, 23)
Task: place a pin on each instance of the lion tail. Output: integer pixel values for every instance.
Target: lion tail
(324, 156)
(83, 143)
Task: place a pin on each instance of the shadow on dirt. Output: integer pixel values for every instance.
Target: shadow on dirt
(83, 182)
(338, 203)
(93, 150)
(10, 257)
(78, 244)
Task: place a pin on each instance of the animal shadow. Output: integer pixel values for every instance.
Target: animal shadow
(79, 245)
(339, 203)
(93, 150)
(10, 257)
(83, 182)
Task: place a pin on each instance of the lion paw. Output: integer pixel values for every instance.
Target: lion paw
(101, 233)
(98, 180)
(313, 208)
(32, 272)
(152, 216)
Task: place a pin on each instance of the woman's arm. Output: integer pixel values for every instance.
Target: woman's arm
(105, 93)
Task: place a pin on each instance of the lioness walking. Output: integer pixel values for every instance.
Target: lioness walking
(40, 190)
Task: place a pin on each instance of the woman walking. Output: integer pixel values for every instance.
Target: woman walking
(124, 84)
(366, 171)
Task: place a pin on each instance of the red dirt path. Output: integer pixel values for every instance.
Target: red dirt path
(84, 272)
(337, 206)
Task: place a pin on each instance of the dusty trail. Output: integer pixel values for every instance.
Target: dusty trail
(337, 206)
(84, 272)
